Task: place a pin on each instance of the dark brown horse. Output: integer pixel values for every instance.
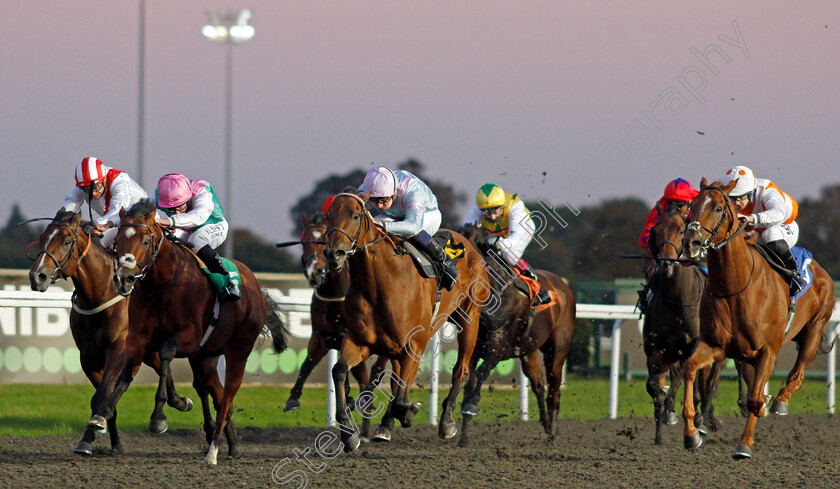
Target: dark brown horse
(99, 319)
(170, 312)
(509, 328)
(392, 311)
(326, 313)
(744, 313)
(672, 324)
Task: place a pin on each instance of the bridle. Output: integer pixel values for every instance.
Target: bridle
(157, 244)
(696, 226)
(366, 220)
(58, 271)
(305, 260)
(708, 245)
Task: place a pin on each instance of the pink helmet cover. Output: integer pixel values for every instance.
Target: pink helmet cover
(380, 182)
(173, 189)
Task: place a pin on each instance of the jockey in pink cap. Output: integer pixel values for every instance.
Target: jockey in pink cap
(193, 209)
(407, 207)
(106, 190)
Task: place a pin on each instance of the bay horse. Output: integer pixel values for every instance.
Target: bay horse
(172, 302)
(392, 311)
(511, 329)
(326, 313)
(99, 318)
(744, 313)
(672, 325)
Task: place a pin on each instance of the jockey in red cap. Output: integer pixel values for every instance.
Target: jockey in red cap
(678, 193)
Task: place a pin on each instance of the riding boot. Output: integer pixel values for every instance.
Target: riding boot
(436, 251)
(782, 250)
(542, 295)
(214, 264)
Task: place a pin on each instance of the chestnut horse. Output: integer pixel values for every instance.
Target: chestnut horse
(501, 330)
(744, 313)
(172, 304)
(672, 324)
(99, 319)
(391, 311)
(326, 313)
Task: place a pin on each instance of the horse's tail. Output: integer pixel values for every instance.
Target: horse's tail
(275, 324)
(829, 347)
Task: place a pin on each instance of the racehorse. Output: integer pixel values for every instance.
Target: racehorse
(172, 303)
(326, 313)
(99, 318)
(511, 329)
(672, 324)
(744, 313)
(393, 311)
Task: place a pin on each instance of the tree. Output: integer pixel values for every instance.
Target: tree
(449, 199)
(14, 240)
(819, 225)
(261, 256)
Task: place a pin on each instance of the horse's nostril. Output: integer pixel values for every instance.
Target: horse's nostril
(41, 277)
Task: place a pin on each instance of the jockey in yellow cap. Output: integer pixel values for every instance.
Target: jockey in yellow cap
(505, 216)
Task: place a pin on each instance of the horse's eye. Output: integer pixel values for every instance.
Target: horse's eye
(67, 242)
(146, 241)
(682, 231)
(719, 209)
(356, 215)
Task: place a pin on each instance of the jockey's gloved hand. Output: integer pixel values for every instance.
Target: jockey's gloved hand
(492, 241)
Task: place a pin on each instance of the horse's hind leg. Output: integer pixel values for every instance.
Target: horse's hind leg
(710, 393)
(234, 371)
(531, 369)
(158, 424)
(808, 341)
(314, 353)
(471, 395)
(467, 319)
(656, 372)
(205, 378)
(757, 372)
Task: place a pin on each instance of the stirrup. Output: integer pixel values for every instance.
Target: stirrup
(543, 297)
(230, 293)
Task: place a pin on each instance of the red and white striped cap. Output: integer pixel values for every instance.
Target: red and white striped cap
(90, 171)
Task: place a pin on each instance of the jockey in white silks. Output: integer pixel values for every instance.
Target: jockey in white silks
(407, 207)
(106, 190)
(192, 208)
(772, 213)
(509, 222)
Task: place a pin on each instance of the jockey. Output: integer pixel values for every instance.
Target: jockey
(407, 207)
(194, 210)
(678, 193)
(772, 213)
(505, 216)
(106, 190)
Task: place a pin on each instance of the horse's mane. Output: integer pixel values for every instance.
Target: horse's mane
(318, 218)
(141, 208)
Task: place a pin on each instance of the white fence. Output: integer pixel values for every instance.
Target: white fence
(617, 313)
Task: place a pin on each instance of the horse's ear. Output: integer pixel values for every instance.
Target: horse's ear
(77, 218)
(304, 219)
(729, 186)
(704, 182)
(364, 197)
(122, 214)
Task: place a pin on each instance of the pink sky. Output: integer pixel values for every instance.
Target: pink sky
(478, 91)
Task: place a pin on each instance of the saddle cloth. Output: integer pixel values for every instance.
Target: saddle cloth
(217, 280)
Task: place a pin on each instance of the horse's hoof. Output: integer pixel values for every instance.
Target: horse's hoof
(447, 430)
(693, 441)
(364, 439)
(382, 434)
(188, 405)
(742, 452)
(84, 448)
(210, 459)
(158, 426)
(97, 423)
(291, 405)
(352, 443)
(779, 408)
(469, 409)
(103, 430)
(669, 417)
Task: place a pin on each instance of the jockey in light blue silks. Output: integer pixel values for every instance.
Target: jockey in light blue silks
(407, 207)
(194, 210)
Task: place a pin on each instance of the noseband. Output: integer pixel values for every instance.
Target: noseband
(157, 244)
(366, 219)
(696, 226)
(58, 271)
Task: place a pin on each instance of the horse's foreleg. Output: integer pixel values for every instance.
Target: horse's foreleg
(702, 355)
(472, 390)
(360, 373)
(710, 393)
(656, 372)
(120, 364)
(314, 353)
(386, 424)
(473, 396)
(351, 355)
(808, 342)
(157, 423)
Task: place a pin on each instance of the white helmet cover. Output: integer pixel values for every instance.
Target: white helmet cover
(746, 180)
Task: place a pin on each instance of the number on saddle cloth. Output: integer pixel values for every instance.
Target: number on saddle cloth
(220, 281)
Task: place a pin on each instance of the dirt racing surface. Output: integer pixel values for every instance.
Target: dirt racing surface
(792, 451)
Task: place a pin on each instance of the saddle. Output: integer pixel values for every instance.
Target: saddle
(428, 267)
